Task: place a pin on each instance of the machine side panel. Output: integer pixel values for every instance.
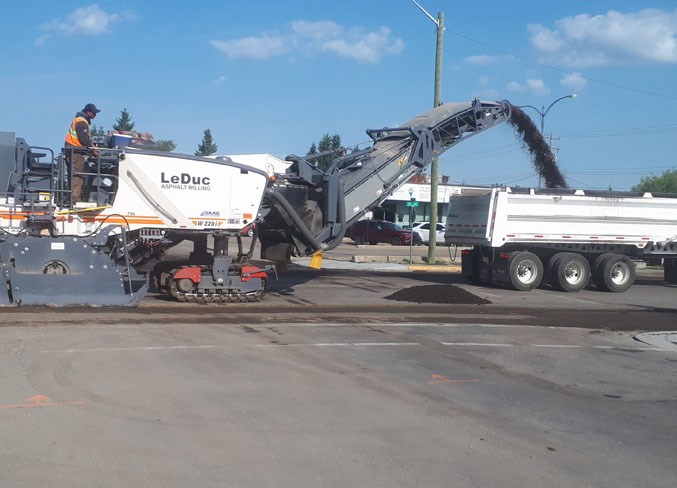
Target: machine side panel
(182, 193)
(64, 271)
(7, 159)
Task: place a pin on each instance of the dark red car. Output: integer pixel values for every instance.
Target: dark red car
(375, 231)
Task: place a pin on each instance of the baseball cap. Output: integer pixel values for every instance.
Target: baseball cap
(90, 107)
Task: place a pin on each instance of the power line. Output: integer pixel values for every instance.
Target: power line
(659, 129)
(625, 172)
(560, 70)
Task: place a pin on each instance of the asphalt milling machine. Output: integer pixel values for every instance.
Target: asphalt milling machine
(137, 204)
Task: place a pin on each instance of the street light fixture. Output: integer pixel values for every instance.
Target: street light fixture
(543, 112)
(439, 24)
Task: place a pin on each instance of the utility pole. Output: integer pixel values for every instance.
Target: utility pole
(439, 23)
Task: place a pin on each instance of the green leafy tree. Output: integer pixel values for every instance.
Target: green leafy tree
(327, 143)
(97, 130)
(98, 135)
(166, 145)
(207, 146)
(664, 183)
(124, 122)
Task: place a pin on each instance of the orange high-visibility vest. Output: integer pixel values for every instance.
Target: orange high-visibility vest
(72, 134)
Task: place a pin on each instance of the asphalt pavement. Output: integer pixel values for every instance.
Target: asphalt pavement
(328, 382)
(384, 258)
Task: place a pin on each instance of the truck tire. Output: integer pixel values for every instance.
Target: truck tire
(568, 271)
(359, 240)
(616, 273)
(525, 271)
(396, 241)
(595, 268)
(670, 270)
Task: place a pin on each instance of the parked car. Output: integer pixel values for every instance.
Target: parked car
(423, 230)
(249, 229)
(375, 231)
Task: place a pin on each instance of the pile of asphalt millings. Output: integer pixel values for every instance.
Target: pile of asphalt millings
(543, 159)
(437, 294)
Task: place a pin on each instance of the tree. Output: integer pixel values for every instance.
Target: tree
(207, 147)
(98, 134)
(124, 122)
(327, 143)
(166, 145)
(97, 130)
(664, 183)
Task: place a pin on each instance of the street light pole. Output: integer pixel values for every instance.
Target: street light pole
(434, 171)
(543, 112)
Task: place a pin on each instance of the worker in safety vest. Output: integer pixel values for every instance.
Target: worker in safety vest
(78, 144)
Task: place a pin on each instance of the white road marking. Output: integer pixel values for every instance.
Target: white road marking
(339, 344)
(140, 348)
(403, 324)
(564, 346)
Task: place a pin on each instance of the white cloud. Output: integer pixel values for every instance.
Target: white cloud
(86, 21)
(42, 40)
(310, 38)
(513, 86)
(537, 87)
(648, 36)
(574, 81)
(480, 59)
(531, 85)
(484, 80)
(488, 94)
(264, 47)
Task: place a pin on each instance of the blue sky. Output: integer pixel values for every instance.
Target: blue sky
(269, 76)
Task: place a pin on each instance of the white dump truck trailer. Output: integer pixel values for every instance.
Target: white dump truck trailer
(521, 237)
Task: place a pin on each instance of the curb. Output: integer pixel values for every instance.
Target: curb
(361, 258)
(454, 268)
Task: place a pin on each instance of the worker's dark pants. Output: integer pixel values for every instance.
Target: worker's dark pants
(77, 168)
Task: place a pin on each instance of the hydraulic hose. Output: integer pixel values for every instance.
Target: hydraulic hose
(341, 209)
(308, 236)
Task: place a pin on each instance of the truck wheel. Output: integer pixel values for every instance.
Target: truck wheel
(396, 241)
(526, 271)
(596, 269)
(359, 240)
(568, 271)
(670, 270)
(616, 273)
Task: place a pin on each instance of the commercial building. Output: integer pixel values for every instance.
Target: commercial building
(395, 208)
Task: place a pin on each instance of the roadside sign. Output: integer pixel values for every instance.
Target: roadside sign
(412, 204)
